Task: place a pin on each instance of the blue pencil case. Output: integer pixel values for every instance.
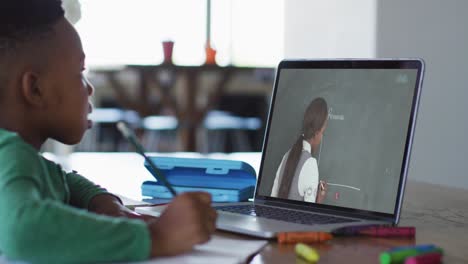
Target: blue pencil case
(225, 180)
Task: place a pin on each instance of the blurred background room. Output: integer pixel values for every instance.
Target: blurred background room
(196, 76)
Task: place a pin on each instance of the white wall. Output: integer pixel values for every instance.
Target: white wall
(329, 28)
(434, 30)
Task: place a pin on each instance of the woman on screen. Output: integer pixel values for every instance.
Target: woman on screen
(297, 176)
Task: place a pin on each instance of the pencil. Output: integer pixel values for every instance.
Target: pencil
(128, 134)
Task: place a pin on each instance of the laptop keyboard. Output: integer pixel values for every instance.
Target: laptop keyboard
(283, 214)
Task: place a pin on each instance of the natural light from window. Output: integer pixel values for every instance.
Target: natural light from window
(119, 32)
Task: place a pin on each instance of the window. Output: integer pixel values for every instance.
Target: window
(244, 33)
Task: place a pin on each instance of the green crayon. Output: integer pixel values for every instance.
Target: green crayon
(399, 256)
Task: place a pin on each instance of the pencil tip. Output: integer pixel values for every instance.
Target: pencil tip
(123, 129)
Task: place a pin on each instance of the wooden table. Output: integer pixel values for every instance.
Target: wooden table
(440, 214)
(163, 77)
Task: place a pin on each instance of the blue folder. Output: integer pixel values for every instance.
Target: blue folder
(225, 180)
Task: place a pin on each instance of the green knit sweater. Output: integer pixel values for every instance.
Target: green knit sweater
(43, 216)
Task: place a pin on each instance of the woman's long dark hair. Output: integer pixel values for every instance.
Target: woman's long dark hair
(314, 119)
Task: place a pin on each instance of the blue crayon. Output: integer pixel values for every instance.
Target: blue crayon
(417, 247)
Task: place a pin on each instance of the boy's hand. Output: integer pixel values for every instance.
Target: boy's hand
(109, 205)
(188, 220)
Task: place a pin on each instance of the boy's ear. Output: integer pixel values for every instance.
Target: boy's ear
(31, 91)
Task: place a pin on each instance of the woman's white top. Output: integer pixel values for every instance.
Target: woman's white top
(308, 181)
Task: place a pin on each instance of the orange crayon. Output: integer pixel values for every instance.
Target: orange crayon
(303, 237)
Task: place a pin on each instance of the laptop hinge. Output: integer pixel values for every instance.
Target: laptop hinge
(308, 208)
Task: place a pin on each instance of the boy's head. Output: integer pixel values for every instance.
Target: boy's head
(43, 93)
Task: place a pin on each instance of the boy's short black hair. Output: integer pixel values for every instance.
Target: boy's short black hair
(23, 20)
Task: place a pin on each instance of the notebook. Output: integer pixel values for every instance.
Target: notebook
(347, 122)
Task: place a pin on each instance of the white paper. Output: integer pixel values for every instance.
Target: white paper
(217, 250)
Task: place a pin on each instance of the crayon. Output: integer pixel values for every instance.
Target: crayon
(389, 231)
(306, 252)
(304, 237)
(352, 230)
(418, 247)
(429, 258)
(399, 256)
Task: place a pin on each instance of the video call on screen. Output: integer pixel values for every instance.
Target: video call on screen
(361, 152)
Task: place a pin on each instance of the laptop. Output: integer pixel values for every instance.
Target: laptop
(362, 151)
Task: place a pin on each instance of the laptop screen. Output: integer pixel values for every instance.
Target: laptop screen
(339, 133)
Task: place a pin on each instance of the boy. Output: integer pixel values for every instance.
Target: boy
(47, 215)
